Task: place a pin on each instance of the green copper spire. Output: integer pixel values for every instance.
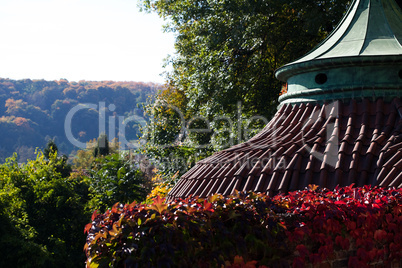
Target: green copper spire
(362, 57)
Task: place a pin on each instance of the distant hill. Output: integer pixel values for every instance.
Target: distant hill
(33, 111)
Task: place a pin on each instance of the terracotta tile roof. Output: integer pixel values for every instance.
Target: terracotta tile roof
(331, 144)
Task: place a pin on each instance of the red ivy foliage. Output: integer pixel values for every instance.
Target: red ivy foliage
(251, 230)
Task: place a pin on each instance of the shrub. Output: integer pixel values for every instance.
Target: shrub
(294, 229)
(161, 187)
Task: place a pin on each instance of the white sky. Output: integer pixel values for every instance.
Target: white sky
(81, 40)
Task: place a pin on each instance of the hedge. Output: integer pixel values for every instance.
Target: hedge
(251, 230)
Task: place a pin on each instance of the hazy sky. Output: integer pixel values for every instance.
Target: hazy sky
(81, 40)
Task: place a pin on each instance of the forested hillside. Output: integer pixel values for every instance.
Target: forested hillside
(33, 111)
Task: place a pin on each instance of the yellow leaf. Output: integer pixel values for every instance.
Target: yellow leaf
(93, 265)
(312, 187)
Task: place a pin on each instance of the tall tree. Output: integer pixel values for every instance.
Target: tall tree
(102, 148)
(227, 51)
(50, 149)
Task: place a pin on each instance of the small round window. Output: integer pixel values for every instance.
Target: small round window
(321, 78)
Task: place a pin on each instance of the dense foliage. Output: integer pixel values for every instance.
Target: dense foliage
(222, 88)
(44, 204)
(114, 177)
(31, 111)
(286, 230)
(41, 214)
(84, 159)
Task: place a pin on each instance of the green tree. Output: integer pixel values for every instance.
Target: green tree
(50, 148)
(18, 250)
(41, 207)
(166, 143)
(84, 159)
(102, 147)
(113, 179)
(228, 51)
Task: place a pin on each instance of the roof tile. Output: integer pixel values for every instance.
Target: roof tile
(334, 144)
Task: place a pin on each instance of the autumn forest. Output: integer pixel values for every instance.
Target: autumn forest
(34, 111)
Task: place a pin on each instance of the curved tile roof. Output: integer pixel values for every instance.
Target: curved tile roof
(332, 144)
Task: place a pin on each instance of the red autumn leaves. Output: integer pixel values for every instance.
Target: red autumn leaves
(249, 230)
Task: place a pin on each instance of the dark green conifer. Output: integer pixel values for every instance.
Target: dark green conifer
(102, 147)
(50, 148)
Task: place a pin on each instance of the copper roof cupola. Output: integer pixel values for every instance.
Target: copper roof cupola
(362, 57)
(339, 123)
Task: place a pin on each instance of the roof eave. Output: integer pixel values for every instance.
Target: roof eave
(283, 73)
